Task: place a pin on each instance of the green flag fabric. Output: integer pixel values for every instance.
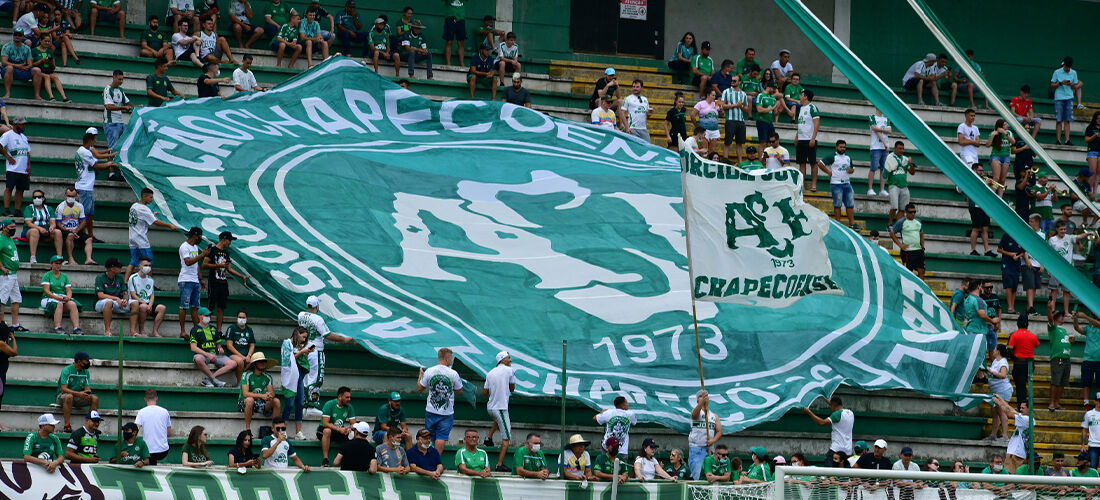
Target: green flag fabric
(483, 226)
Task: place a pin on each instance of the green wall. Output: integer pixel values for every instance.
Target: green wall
(1015, 41)
(542, 28)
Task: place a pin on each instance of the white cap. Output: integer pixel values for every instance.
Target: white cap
(929, 57)
(362, 428)
(880, 443)
(313, 301)
(92, 130)
(48, 419)
(517, 76)
(501, 355)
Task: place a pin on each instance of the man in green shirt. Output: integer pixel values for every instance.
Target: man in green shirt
(16, 58)
(530, 460)
(112, 297)
(83, 446)
(792, 95)
(208, 345)
(1090, 367)
(702, 67)
(42, 447)
(286, 39)
(747, 62)
(134, 450)
(604, 465)
(337, 419)
(74, 388)
(154, 43)
(158, 87)
(1033, 469)
(716, 467)
(996, 466)
(276, 14)
(897, 169)
(378, 47)
(257, 391)
(414, 48)
(471, 460)
(9, 273)
(1059, 355)
(911, 241)
(390, 415)
(752, 163)
(454, 28)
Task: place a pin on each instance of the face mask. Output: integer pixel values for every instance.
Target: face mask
(38, 202)
(536, 447)
(70, 199)
(204, 319)
(241, 322)
(146, 269)
(127, 435)
(997, 468)
(424, 446)
(395, 443)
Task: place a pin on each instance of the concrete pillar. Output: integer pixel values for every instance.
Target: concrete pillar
(136, 12)
(842, 28)
(504, 15)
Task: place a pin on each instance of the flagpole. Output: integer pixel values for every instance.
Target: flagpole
(691, 284)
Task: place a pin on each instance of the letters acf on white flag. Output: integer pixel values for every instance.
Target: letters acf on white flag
(753, 240)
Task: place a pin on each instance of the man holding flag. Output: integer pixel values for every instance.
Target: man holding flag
(318, 332)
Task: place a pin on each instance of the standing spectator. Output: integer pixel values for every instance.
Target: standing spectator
(696, 142)
(180, 11)
(706, 429)
(775, 155)
(1044, 195)
(999, 385)
(141, 288)
(603, 116)
(1092, 133)
(1022, 344)
(1090, 366)
(530, 461)
(109, 13)
(17, 150)
(840, 168)
(706, 114)
(415, 48)
(1025, 113)
(1022, 195)
(957, 298)
(604, 465)
(676, 122)
(83, 445)
(240, 21)
(507, 53)
(1000, 140)
(442, 383)
(1012, 258)
(1032, 274)
(337, 419)
(575, 463)
(241, 455)
(156, 426)
(57, 298)
(516, 94)
(702, 67)
(898, 167)
(454, 29)
(357, 454)
(185, 46)
(208, 347)
(309, 34)
(318, 332)
(680, 62)
(917, 77)
(115, 101)
(240, 342)
(617, 422)
(154, 43)
(792, 95)
(1065, 244)
(134, 450)
(500, 383)
(349, 28)
(993, 309)
(377, 44)
(911, 241)
(842, 421)
(243, 79)
(635, 112)
(470, 460)
(976, 313)
(277, 451)
(481, 67)
(979, 220)
(969, 138)
(190, 285)
(257, 391)
(1065, 84)
(424, 459)
(88, 161)
(735, 102)
(16, 59)
(646, 466)
(721, 79)
(286, 40)
(809, 123)
(74, 388)
(767, 109)
(1060, 341)
(293, 367)
(158, 87)
(1090, 429)
(220, 266)
(42, 447)
(607, 85)
(880, 134)
(390, 415)
(9, 275)
(112, 297)
(9, 348)
(276, 14)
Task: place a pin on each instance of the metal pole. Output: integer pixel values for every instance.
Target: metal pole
(615, 480)
(118, 422)
(691, 289)
(564, 374)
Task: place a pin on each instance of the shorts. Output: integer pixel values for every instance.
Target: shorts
(483, 81)
(504, 423)
(911, 84)
(23, 75)
(991, 341)
(1059, 371)
(17, 180)
(1005, 394)
(899, 197)
(1093, 154)
(9, 289)
(509, 68)
(843, 194)
(259, 406)
(218, 295)
(219, 361)
(878, 159)
(969, 158)
(735, 131)
(186, 55)
(764, 130)
(101, 305)
(1033, 121)
(804, 153)
(454, 29)
(1010, 278)
(1003, 160)
(50, 305)
(1063, 110)
(712, 135)
(106, 16)
(190, 294)
(978, 218)
(136, 254)
(77, 402)
(87, 198)
(1054, 284)
(1079, 206)
(154, 457)
(1090, 374)
(216, 53)
(439, 425)
(913, 259)
(333, 437)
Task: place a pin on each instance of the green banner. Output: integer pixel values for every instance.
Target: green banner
(484, 226)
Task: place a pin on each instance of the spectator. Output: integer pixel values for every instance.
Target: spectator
(488, 33)
(109, 13)
(1025, 114)
(1001, 140)
(1012, 256)
(17, 150)
(1058, 467)
(240, 341)
(185, 46)
(767, 109)
(293, 367)
(1082, 182)
(1092, 133)
(83, 445)
(792, 95)
(156, 425)
(286, 39)
(63, 37)
(530, 461)
(960, 78)
(337, 419)
(481, 68)
(911, 241)
(180, 11)
(74, 388)
(318, 331)
(321, 14)
(34, 24)
(1022, 344)
(70, 10)
(309, 35)
(91, 160)
(1044, 195)
(424, 459)
(1090, 366)
(9, 273)
(735, 102)
(996, 466)
(721, 79)
(516, 94)
(415, 49)
(1090, 425)
(842, 421)
(617, 422)
(42, 447)
(976, 313)
(1059, 355)
(760, 472)
(751, 163)
(277, 451)
(454, 29)
(646, 466)
(776, 156)
(158, 87)
(782, 68)
(142, 294)
(860, 448)
(1022, 196)
(750, 84)
(190, 285)
(507, 52)
(918, 76)
(500, 383)
(276, 14)
(840, 168)
(979, 220)
(943, 79)
(16, 58)
(257, 391)
(155, 44)
(212, 48)
(680, 62)
(604, 466)
(208, 345)
(875, 460)
(240, 21)
(390, 415)
(706, 114)
(208, 82)
(220, 266)
(969, 138)
(112, 297)
(243, 79)
(677, 467)
(1032, 275)
(576, 464)
(378, 44)
(470, 460)
(1033, 469)
(43, 57)
(1065, 244)
(115, 101)
(696, 142)
(404, 26)
(706, 429)
(349, 28)
(635, 112)
(716, 468)
(357, 454)
(134, 450)
(702, 67)
(57, 298)
(9, 348)
(747, 62)
(443, 383)
(957, 298)
(880, 134)
(241, 455)
(194, 449)
(1083, 470)
(603, 116)
(1065, 84)
(898, 167)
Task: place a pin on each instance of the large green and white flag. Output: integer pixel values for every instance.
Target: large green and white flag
(484, 226)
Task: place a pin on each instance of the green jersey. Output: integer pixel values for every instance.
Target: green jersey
(530, 461)
(972, 305)
(389, 417)
(1025, 470)
(793, 92)
(704, 64)
(766, 101)
(240, 338)
(47, 66)
(760, 472)
(206, 337)
(474, 460)
(1059, 342)
(1006, 144)
(751, 85)
(288, 33)
(338, 415)
(279, 14)
(456, 9)
(133, 453)
(606, 465)
(1044, 207)
(58, 285)
(75, 379)
(744, 65)
(750, 165)
(897, 170)
(715, 466)
(1092, 343)
(256, 383)
(160, 85)
(195, 455)
(85, 443)
(115, 287)
(47, 448)
(379, 40)
(9, 255)
(988, 470)
(735, 98)
(154, 39)
(1075, 472)
(414, 41)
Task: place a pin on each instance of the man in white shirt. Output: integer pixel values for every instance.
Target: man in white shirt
(635, 111)
(782, 67)
(184, 46)
(243, 79)
(880, 137)
(156, 426)
(142, 290)
(1065, 245)
(913, 79)
(318, 331)
(17, 150)
(141, 216)
(87, 161)
(500, 383)
(969, 139)
(442, 383)
(115, 101)
(1090, 432)
(190, 284)
(843, 421)
(706, 429)
(617, 422)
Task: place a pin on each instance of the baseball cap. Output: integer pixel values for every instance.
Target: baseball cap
(17, 31)
(56, 258)
(81, 356)
(204, 311)
(349, 3)
(880, 443)
(861, 445)
(19, 121)
(501, 355)
(609, 71)
(395, 396)
(378, 20)
(1083, 456)
(906, 450)
(194, 231)
(226, 235)
(313, 301)
(93, 415)
(111, 262)
(362, 428)
(130, 426)
(92, 130)
(759, 451)
(485, 46)
(611, 442)
(517, 76)
(780, 460)
(750, 149)
(47, 419)
(6, 221)
(706, 45)
(784, 51)
(648, 442)
(608, 98)
(929, 57)
(1040, 217)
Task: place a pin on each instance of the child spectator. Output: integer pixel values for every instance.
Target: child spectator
(680, 62)
(840, 168)
(1025, 114)
(310, 35)
(286, 39)
(911, 241)
(507, 61)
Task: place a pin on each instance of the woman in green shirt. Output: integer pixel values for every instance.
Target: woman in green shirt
(677, 467)
(57, 297)
(760, 472)
(240, 342)
(294, 363)
(194, 450)
(1000, 157)
(43, 60)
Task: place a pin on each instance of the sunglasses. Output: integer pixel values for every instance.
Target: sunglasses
(910, 211)
(723, 455)
(280, 429)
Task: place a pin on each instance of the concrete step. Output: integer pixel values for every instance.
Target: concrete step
(32, 318)
(83, 276)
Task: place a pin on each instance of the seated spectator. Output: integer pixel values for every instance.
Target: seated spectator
(240, 21)
(158, 87)
(1025, 114)
(702, 67)
(507, 61)
(208, 347)
(516, 94)
(185, 46)
(194, 449)
(142, 293)
(530, 461)
(403, 83)
(63, 37)
(471, 460)
(112, 297)
(603, 116)
(680, 62)
(424, 459)
(74, 388)
(208, 82)
(575, 461)
(604, 465)
(391, 456)
(1065, 84)
(134, 450)
(42, 447)
(481, 70)
(378, 44)
(57, 298)
(390, 415)
(357, 454)
(678, 467)
(70, 12)
(276, 450)
(83, 446)
(180, 11)
(349, 28)
(35, 24)
(488, 33)
(16, 59)
(37, 221)
(242, 455)
(309, 35)
(240, 341)
(112, 13)
(716, 467)
(211, 47)
(914, 78)
(321, 15)
(286, 39)
(415, 48)
(723, 78)
(960, 78)
(943, 77)
(793, 94)
(746, 63)
(606, 85)
(782, 68)
(276, 14)
(646, 467)
(337, 419)
(243, 79)
(257, 391)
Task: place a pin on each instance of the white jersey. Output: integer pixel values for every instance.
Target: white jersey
(154, 422)
(442, 382)
(19, 148)
(316, 327)
(140, 218)
(244, 79)
(913, 467)
(617, 422)
(85, 174)
(209, 43)
(839, 169)
(1016, 445)
(880, 122)
(188, 274)
(969, 153)
(499, 382)
(637, 110)
(912, 71)
(783, 70)
(1064, 246)
(842, 430)
(280, 459)
(114, 96)
(1000, 385)
(702, 428)
(180, 44)
(27, 22)
(1092, 423)
(142, 288)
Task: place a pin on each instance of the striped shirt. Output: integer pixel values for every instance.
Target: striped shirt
(735, 97)
(114, 96)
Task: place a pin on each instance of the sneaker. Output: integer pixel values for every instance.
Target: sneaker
(940, 104)
(206, 382)
(920, 103)
(1080, 106)
(883, 193)
(59, 330)
(77, 331)
(217, 382)
(1031, 311)
(974, 252)
(34, 260)
(96, 240)
(299, 436)
(990, 253)
(313, 412)
(19, 328)
(488, 442)
(324, 462)
(1067, 143)
(68, 428)
(871, 192)
(503, 468)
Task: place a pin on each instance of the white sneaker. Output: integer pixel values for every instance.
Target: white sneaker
(34, 260)
(871, 192)
(312, 412)
(206, 382)
(217, 382)
(884, 194)
(299, 436)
